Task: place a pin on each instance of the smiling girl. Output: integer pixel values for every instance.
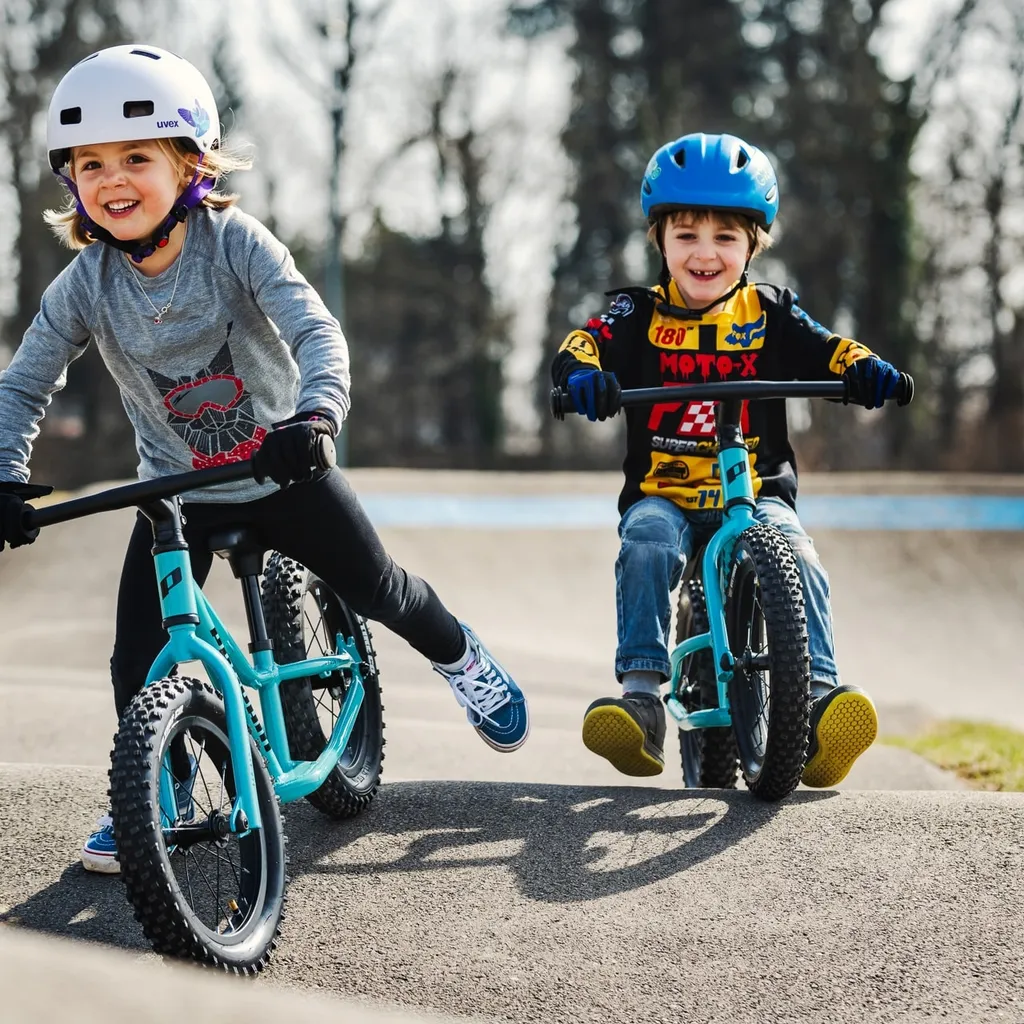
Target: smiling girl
(126, 190)
(710, 202)
(220, 348)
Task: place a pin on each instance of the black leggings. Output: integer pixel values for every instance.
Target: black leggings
(319, 524)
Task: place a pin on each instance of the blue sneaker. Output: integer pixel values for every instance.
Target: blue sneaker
(100, 851)
(494, 705)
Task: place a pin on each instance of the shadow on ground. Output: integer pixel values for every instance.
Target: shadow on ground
(80, 905)
(562, 845)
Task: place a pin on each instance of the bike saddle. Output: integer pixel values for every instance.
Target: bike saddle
(241, 546)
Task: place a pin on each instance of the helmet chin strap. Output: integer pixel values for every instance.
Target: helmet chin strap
(667, 308)
(193, 195)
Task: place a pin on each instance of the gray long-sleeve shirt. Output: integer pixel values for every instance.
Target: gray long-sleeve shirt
(247, 342)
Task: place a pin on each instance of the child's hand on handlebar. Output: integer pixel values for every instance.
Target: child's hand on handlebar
(595, 393)
(872, 381)
(289, 452)
(13, 496)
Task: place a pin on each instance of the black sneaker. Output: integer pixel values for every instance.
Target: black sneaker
(844, 724)
(629, 731)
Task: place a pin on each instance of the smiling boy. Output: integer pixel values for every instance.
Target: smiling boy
(710, 201)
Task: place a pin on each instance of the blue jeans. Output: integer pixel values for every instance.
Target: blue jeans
(657, 539)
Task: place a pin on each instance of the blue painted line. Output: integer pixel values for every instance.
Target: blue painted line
(591, 511)
(912, 512)
(499, 512)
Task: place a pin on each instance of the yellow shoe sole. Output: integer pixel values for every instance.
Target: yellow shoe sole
(847, 728)
(612, 733)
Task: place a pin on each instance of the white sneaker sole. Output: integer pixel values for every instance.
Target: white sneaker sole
(102, 865)
(505, 748)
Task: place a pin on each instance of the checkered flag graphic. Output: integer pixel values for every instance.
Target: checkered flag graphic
(698, 420)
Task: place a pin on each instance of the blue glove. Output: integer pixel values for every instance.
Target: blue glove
(595, 393)
(872, 381)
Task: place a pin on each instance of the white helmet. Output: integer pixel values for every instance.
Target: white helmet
(127, 93)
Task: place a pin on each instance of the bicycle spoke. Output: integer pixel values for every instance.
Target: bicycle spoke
(215, 895)
(211, 874)
(217, 899)
(203, 851)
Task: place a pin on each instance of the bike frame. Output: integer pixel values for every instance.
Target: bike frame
(737, 515)
(738, 502)
(229, 670)
(189, 618)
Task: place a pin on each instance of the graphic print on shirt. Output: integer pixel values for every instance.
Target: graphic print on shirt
(698, 420)
(212, 412)
(749, 334)
(583, 344)
(684, 445)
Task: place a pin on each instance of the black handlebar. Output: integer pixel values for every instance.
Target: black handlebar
(751, 390)
(322, 456)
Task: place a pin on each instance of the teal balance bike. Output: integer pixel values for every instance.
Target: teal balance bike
(196, 778)
(740, 685)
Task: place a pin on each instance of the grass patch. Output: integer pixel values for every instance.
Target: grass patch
(987, 756)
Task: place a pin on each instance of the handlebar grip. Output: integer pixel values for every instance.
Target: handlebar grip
(905, 389)
(561, 402)
(323, 455)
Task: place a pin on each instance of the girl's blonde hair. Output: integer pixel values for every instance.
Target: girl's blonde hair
(66, 222)
(759, 238)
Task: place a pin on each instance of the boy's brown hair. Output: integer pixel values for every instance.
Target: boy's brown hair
(66, 222)
(759, 238)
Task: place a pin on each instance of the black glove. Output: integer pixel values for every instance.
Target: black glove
(12, 511)
(595, 393)
(872, 381)
(286, 455)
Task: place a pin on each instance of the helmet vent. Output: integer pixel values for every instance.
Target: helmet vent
(742, 159)
(680, 156)
(138, 108)
(71, 115)
(146, 53)
(647, 187)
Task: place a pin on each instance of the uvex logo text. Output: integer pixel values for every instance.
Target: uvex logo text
(167, 124)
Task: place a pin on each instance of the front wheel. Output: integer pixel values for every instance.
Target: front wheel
(709, 755)
(769, 693)
(303, 618)
(220, 898)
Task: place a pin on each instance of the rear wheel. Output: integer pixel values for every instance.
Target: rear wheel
(769, 694)
(219, 897)
(709, 756)
(303, 618)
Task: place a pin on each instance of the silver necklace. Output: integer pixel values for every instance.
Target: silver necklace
(165, 309)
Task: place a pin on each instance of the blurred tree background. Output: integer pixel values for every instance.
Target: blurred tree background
(461, 184)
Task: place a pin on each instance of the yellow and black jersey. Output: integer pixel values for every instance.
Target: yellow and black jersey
(671, 451)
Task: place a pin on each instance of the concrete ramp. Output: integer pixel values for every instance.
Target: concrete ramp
(53, 980)
(543, 886)
(529, 902)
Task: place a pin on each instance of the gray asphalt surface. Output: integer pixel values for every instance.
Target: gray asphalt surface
(98, 985)
(543, 886)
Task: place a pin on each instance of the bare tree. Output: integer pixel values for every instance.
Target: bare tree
(968, 202)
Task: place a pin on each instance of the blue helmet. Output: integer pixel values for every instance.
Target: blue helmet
(705, 172)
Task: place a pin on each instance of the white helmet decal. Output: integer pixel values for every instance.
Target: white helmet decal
(129, 93)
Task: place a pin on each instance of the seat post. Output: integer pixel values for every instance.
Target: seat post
(254, 615)
(244, 553)
(246, 566)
